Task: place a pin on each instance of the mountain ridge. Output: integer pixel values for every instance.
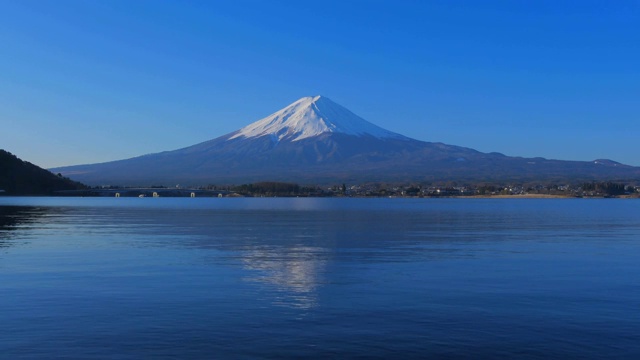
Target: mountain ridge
(314, 140)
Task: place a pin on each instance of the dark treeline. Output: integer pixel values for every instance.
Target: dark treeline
(272, 188)
(607, 188)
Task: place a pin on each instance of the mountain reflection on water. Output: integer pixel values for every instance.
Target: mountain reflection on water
(295, 272)
(13, 218)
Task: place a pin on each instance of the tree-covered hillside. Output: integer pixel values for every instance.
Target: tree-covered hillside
(18, 177)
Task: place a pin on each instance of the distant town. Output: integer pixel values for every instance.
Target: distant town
(281, 189)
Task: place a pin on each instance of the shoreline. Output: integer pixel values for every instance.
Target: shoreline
(521, 196)
(526, 196)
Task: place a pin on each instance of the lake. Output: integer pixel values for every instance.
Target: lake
(272, 278)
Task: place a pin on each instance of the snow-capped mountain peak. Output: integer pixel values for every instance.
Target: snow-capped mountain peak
(309, 117)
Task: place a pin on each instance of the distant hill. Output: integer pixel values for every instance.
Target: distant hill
(316, 141)
(18, 177)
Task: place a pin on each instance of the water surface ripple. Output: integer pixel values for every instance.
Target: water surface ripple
(129, 278)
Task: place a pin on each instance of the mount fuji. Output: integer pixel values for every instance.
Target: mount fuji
(316, 141)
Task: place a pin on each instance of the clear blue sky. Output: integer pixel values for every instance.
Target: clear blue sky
(92, 81)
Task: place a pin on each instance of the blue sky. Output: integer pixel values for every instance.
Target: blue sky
(92, 81)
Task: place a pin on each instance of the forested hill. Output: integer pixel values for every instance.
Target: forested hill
(18, 177)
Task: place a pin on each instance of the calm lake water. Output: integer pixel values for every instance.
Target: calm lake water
(129, 278)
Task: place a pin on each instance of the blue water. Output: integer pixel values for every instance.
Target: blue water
(129, 278)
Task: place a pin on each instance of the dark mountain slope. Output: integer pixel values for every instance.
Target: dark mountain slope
(19, 177)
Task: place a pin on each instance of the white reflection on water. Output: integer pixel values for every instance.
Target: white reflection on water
(295, 272)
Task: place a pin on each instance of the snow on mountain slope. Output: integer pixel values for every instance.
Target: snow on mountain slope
(309, 117)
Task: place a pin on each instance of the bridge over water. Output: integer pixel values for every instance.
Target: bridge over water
(150, 192)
